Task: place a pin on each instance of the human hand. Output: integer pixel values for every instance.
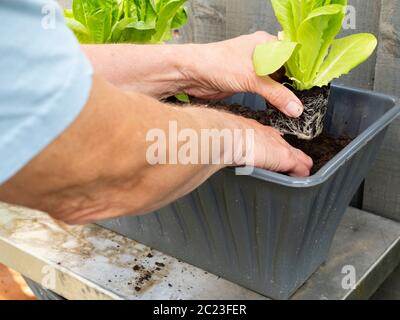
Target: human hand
(271, 151)
(218, 70)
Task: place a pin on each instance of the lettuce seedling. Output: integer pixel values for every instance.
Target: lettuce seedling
(125, 21)
(307, 46)
(312, 56)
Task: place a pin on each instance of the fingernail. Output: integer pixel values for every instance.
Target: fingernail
(294, 109)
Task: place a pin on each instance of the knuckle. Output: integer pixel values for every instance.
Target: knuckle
(286, 154)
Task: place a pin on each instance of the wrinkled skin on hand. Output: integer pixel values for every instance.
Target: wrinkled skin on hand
(224, 68)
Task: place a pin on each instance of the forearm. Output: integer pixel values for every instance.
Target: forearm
(98, 167)
(155, 70)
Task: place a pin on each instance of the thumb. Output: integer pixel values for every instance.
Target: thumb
(280, 97)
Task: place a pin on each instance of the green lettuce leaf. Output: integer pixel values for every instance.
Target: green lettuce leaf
(166, 16)
(317, 58)
(346, 54)
(133, 21)
(331, 31)
(180, 19)
(271, 56)
(310, 37)
(80, 31)
(182, 97)
(284, 14)
(100, 19)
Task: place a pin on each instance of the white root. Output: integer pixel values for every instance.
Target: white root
(310, 124)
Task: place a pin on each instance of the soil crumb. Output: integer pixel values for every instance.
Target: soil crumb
(137, 267)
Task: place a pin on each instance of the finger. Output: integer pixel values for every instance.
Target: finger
(280, 158)
(299, 171)
(279, 96)
(294, 162)
(300, 155)
(307, 160)
(304, 164)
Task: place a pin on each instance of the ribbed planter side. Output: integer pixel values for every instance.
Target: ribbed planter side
(266, 237)
(269, 232)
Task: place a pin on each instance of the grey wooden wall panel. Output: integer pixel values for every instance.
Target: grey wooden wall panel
(250, 16)
(215, 20)
(207, 21)
(382, 192)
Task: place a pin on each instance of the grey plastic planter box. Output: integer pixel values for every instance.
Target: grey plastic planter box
(269, 232)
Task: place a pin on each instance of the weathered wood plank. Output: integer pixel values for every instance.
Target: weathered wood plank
(382, 193)
(250, 16)
(207, 21)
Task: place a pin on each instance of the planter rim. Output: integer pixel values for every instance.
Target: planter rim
(342, 157)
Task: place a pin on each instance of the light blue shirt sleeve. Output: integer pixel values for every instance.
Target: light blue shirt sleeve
(45, 80)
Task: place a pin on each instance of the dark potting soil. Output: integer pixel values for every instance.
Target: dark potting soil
(321, 149)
